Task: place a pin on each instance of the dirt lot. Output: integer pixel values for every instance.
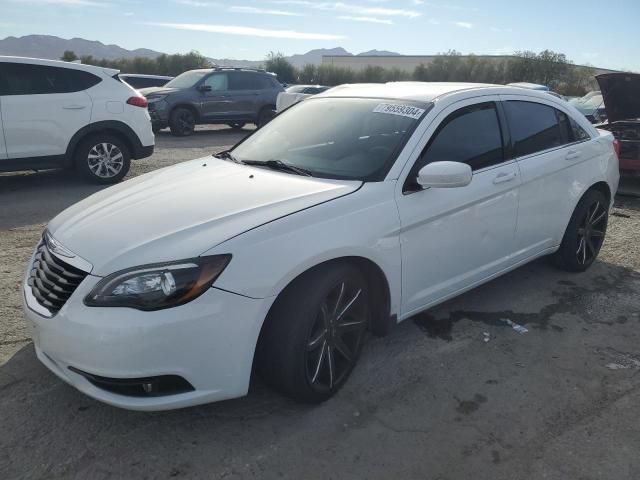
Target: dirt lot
(454, 393)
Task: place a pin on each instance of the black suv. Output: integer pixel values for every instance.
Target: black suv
(235, 96)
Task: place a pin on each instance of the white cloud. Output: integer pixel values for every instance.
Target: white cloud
(463, 24)
(366, 19)
(197, 3)
(248, 31)
(69, 3)
(263, 11)
(359, 10)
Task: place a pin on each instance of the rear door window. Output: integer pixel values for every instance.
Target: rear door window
(26, 79)
(244, 81)
(536, 127)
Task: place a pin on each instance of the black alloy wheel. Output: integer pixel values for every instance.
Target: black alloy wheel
(591, 233)
(336, 336)
(183, 122)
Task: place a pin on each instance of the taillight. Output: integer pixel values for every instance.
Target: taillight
(616, 146)
(138, 102)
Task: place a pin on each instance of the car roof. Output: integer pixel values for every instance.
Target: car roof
(144, 75)
(423, 91)
(61, 64)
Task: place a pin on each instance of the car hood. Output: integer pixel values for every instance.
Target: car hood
(149, 91)
(182, 211)
(621, 94)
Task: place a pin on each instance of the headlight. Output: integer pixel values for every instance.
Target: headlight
(158, 286)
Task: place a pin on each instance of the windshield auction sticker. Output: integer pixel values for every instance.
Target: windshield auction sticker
(402, 110)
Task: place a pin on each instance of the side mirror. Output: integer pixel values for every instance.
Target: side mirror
(204, 88)
(445, 175)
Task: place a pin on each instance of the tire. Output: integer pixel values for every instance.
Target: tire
(585, 233)
(314, 333)
(237, 125)
(182, 122)
(102, 158)
(265, 116)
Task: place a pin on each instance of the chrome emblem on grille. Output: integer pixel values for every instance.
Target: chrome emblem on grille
(56, 247)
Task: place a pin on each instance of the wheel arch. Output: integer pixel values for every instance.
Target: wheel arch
(111, 127)
(377, 281)
(600, 186)
(188, 106)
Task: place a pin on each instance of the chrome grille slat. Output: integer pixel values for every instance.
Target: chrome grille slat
(52, 281)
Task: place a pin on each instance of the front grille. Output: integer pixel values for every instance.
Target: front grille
(52, 281)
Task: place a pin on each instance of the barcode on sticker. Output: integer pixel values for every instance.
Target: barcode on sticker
(403, 110)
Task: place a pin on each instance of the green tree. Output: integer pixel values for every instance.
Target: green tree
(276, 63)
(69, 56)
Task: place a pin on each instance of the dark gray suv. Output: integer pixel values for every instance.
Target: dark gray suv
(235, 96)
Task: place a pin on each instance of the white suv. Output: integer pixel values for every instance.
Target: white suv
(60, 115)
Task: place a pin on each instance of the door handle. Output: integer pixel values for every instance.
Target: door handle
(504, 177)
(74, 107)
(572, 155)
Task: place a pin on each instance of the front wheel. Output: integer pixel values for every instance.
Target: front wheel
(182, 122)
(314, 333)
(102, 159)
(585, 233)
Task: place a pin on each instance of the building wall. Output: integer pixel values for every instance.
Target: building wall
(406, 63)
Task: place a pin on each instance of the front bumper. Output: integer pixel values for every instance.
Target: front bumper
(209, 342)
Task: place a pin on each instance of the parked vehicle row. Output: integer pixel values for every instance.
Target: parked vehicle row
(139, 81)
(349, 212)
(297, 93)
(66, 115)
(221, 95)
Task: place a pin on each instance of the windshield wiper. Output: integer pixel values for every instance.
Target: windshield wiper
(279, 165)
(227, 155)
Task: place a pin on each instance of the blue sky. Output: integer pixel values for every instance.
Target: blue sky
(600, 33)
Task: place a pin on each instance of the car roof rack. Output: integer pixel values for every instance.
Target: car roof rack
(249, 69)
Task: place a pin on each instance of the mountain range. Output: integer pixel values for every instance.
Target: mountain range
(49, 46)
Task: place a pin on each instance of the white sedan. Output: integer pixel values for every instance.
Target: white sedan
(348, 213)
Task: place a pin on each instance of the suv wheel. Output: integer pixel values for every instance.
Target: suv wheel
(182, 122)
(102, 158)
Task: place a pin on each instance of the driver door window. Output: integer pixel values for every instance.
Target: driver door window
(470, 135)
(218, 82)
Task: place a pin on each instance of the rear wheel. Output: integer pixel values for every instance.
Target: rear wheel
(236, 125)
(585, 233)
(102, 158)
(182, 122)
(314, 333)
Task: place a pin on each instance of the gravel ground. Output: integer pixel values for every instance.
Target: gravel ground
(454, 393)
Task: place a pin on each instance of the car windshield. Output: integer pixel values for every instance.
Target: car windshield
(186, 79)
(340, 138)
